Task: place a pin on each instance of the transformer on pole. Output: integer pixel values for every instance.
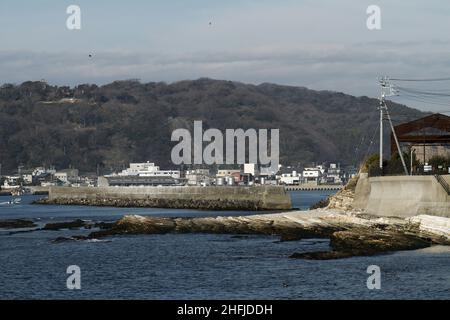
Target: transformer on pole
(387, 90)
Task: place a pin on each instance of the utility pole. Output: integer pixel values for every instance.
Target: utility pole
(381, 134)
(384, 88)
(387, 90)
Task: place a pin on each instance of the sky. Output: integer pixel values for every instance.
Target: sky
(319, 44)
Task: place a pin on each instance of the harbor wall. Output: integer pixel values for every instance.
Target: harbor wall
(313, 187)
(205, 198)
(402, 196)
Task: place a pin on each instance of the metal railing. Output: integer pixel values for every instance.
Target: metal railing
(443, 183)
(378, 172)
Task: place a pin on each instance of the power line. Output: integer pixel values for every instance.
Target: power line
(426, 93)
(425, 100)
(420, 80)
(369, 148)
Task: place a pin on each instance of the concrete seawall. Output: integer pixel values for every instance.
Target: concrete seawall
(402, 196)
(306, 187)
(205, 198)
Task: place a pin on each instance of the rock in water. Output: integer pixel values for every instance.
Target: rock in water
(370, 241)
(17, 224)
(366, 242)
(76, 224)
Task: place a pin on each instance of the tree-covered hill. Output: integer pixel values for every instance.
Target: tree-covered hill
(109, 126)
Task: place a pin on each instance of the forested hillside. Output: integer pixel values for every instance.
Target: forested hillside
(109, 126)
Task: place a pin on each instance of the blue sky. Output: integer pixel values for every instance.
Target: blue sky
(321, 44)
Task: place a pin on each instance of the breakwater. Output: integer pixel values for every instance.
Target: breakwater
(204, 198)
(310, 187)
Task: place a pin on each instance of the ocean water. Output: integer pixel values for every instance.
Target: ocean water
(199, 266)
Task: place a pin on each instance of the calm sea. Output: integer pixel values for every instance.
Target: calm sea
(198, 266)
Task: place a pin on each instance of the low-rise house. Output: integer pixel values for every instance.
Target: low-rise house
(27, 176)
(11, 182)
(67, 176)
(198, 177)
(334, 174)
(227, 173)
(290, 178)
(251, 168)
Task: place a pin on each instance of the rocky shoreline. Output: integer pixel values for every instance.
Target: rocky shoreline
(351, 232)
(350, 235)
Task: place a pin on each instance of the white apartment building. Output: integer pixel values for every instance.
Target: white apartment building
(312, 175)
(149, 169)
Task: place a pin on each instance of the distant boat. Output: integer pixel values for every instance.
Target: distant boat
(11, 202)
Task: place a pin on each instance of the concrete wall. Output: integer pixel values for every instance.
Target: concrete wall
(402, 196)
(226, 198)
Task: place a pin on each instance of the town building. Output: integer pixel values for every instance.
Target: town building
(313, 174)
(227, 173)
(292, 178)
(427, 137)
(251, 168)
(27, 176)
(67, 176)
(11, 182)
(334, 174)
(143, 174)
(148, 169)
(198, 177)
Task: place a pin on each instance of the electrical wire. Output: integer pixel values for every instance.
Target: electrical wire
(420, 80)
(419, 92)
